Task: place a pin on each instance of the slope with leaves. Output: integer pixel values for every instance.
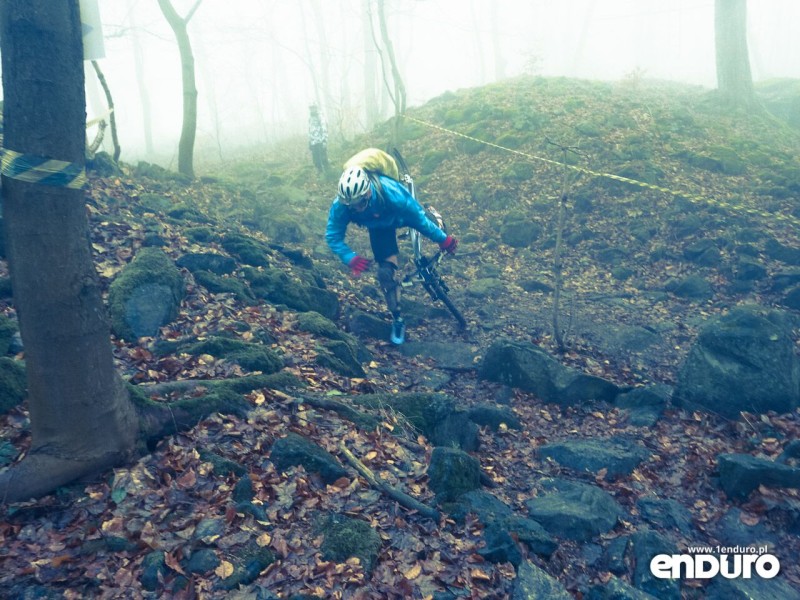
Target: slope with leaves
(92, 540)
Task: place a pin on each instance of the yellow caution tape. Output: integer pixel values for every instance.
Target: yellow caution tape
(690, 197)
(42, 170)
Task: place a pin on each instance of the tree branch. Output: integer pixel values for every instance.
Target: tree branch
(401, 497)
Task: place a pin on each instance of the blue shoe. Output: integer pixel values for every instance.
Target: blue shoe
(398, 331)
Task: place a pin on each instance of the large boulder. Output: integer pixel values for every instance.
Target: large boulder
(146, 295)
(526, 366)
(742, 361)
(574, 511)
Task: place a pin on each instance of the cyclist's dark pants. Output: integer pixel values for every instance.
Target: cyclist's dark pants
(384, 246)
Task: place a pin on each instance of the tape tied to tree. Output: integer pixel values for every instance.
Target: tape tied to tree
(43, 170)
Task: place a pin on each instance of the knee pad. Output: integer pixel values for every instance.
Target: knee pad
(386, 271)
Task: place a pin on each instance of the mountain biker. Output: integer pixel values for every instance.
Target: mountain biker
(382, 205)
(317, 138)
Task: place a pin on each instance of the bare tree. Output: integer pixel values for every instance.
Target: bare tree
(371, 86)
(81, 417)
(734, 79)
(110, 101)
(189, 129)
(144, 96)
(397, 89)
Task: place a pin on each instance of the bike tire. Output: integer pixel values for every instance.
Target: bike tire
(442, 295)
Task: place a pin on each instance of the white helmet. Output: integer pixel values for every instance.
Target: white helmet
(353, 184)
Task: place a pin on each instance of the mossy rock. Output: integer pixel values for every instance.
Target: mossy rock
(432, 159)
(436, 416)
(318, 325)
(717, 159)
(277, 287)
(345, 537)
(225, 285)
(338, 356)
(154, 203)
(452, 473)
(207, 261)
(145, 295)
(520, 233)
(248, 563)
(253, 357)
(201, 235)
(283, 230)
(486, 287)
(13, 383)
(517, 172)
(294, 450)
(188, 212)
(159, 173)
(248, 250)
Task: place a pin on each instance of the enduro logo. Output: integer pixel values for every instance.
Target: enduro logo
(731, 563)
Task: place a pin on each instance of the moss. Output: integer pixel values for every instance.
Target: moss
(452, 473)
(201, 235)
(8, 328)
(155, 203)
(225, 285)
(283, 229)
(151, 267)
(423, 411)
(277, 287)
(222, 466)
(12, 383)
(339, 357)
(315, 323)
(249, 562)
(517, 172)
(345, 537)
(246, 249)
(253, 357)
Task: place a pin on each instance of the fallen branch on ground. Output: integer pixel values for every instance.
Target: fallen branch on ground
(401, 497)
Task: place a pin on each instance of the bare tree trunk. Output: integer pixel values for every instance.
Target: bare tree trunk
(371, 108)
(324, 63)
(111, 116)
(189, 129)
(734, 79)
(398, 91)
(81, 416)
(144, 96)
(478, 44)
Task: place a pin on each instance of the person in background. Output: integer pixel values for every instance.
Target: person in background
(382, 205)
(318, 139)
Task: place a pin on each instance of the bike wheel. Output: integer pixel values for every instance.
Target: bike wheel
(442, 295)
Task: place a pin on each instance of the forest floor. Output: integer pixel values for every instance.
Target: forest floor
(52, 547)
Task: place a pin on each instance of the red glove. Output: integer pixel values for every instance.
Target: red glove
(449, 244)
(358, 264)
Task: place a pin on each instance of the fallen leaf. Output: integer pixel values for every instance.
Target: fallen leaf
(413, 572)
(173, 563)
(224, 570)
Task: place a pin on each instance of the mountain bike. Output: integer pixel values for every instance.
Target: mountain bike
(425, 268)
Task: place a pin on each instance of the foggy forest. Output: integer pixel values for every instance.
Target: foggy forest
(400, 299)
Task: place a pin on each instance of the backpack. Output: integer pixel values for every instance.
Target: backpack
(375, 161)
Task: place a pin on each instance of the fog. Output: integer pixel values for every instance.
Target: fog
(257, 60)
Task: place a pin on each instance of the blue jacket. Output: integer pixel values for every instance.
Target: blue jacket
(398, 209)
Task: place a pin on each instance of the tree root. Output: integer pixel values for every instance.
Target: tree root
(38, 474)
(401, 497)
